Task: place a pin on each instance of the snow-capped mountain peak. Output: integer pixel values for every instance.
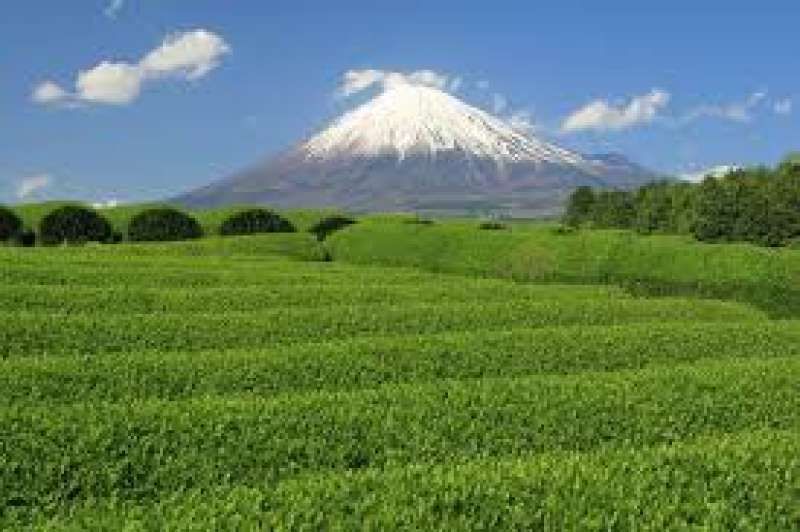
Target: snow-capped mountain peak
(408, 119)
(419, 148)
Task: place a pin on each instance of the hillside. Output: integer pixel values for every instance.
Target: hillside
(540, 252)
(240, 383)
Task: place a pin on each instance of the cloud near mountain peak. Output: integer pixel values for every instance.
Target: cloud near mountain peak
(356, 81)
(601, 115)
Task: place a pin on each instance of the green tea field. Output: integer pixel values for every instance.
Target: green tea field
(427, 378)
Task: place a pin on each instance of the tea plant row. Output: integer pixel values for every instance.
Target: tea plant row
(146, 450)
(357, 363)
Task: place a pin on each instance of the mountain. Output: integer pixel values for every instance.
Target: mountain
(417, 148)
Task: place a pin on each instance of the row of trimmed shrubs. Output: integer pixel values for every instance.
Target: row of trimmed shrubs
(74, 224)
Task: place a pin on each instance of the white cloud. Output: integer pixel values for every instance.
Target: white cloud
(455, 84)
(109, 83)
(429, 78)
(522, 121)
(190, 55)
(736, 111)
(28, 186)
(715, 171)
(783, 107)
(48, 93)
(355, 81)
(499, 103)
(108, 204)
(113, 8)
(600, 115)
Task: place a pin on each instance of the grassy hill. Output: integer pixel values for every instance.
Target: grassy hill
(541, 252)
(413, 383)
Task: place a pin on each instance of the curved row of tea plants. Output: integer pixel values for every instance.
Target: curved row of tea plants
(223, 383)
(145, 450)
(143, 300)
(32, 333)
(730, 482)
(725, 482)
(356, 363)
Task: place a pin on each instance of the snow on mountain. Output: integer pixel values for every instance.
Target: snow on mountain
(424, 120)
(415, 147)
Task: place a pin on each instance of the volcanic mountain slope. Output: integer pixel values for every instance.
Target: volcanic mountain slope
(417, 148)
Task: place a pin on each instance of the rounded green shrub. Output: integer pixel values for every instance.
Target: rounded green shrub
(115, 238)
(492, 226)
(331, 224)
(73, 224)
(25, 238)
(419, 221)
(253, 221)
(564, 229)
(163, 225)
(10, 224)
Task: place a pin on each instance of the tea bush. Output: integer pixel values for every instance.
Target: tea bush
(329, 225)
(25, 238)
(163, 225)
(492, 226)
(253, 221)
(10, 224)
(73, 224)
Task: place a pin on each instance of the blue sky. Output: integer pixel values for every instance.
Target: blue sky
(176, 94)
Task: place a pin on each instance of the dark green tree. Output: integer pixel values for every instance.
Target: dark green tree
(683, 197)
(783, 201)
(580, 206)
(654, 208)
(613, 209)
(713, 217)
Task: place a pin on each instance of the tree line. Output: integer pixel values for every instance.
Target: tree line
(759, 205)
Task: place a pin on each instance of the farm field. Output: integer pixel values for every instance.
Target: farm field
(246, 383)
